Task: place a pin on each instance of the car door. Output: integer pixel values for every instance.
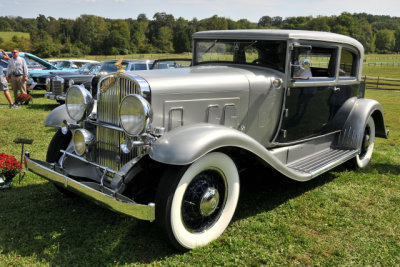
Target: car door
(311, 85)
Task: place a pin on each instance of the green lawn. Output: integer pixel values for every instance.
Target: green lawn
(7, 36)
(344, 217)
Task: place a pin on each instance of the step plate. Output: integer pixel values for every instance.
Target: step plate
(322, 161)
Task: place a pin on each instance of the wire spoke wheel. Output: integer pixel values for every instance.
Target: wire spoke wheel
(195, 203)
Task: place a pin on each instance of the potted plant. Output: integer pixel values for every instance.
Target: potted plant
(9, 168)
(24, 99)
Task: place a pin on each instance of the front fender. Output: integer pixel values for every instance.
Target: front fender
(186, 144)
(57, 116)
(353, 129)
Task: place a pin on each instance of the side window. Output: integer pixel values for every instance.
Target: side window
(348, 64)
(308, 62)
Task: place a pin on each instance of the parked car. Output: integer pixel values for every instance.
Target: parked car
(108, 66)
(33, 62)
(72, 63)
(58, 83)
(71, 66)
(167, 145)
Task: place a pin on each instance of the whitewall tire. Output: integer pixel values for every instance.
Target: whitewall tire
(195, 204)
(363, 158)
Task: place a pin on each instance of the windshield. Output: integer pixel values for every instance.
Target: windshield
(63, 64)
(86, 69)
(268, 53)
(139, 66)
(110, 67)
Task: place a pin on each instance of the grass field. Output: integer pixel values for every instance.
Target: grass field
(344, 217)
(9, 35)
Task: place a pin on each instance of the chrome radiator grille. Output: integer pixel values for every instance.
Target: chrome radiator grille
(56, 87)
(111, 93)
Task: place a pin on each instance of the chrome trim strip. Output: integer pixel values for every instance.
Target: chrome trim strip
(328, 167)
(303, 140)
(90, 190)
(105, 125)
(104, 168)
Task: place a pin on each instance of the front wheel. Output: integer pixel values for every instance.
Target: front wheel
(363, 158)
(195, 204)
(58, 142)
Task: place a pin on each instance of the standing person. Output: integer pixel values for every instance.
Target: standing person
(3, 81)
(17, 73)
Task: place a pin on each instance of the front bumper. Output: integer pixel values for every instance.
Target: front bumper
(52, 96)
(92, 191)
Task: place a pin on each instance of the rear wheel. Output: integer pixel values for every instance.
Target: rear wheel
(367, 145)
(195, 204)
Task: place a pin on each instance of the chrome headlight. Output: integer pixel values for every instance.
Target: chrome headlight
(47, 84)
(135, 114)
(79, 102)
(82, 139)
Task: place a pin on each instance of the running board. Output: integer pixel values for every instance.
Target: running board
(322, 161)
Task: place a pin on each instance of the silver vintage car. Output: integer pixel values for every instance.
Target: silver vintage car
(167, 145)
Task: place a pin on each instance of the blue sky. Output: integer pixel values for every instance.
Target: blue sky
(252, 10)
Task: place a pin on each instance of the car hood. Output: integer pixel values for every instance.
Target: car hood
(41, 72)
(196, 80)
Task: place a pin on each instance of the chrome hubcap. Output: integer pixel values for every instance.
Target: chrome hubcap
(209, 201)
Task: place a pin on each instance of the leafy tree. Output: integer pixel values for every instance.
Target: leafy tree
(4, 25)
(181, 42)
(318, 24)
(41, 21)
(385, 41)
(164, 40)
(277, 21)
(397, 40)
(92, 31)
(265, 21)
(43, 44)
(119, 38)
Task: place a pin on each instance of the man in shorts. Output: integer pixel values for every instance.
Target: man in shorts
(3, 81)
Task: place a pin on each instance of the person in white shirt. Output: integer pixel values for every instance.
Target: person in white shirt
(17, 73)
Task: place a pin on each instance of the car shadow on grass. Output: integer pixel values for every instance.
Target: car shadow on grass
(387, 168)
(44, 107)
(41, 223)
(53, 228)
(264, 189)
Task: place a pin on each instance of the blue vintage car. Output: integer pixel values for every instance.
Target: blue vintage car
(33, 62)
(37, 67)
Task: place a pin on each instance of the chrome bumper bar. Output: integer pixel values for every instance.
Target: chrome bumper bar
(51, 96)
(93, 191)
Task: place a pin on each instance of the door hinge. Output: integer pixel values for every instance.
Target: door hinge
(286, 112)
(284, 133)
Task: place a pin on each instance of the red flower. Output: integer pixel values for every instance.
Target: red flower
(9, 166)
(24, 97)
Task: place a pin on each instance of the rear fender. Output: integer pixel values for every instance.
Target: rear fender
(351, 136)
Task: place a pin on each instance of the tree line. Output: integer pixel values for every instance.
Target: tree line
(94, 35)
